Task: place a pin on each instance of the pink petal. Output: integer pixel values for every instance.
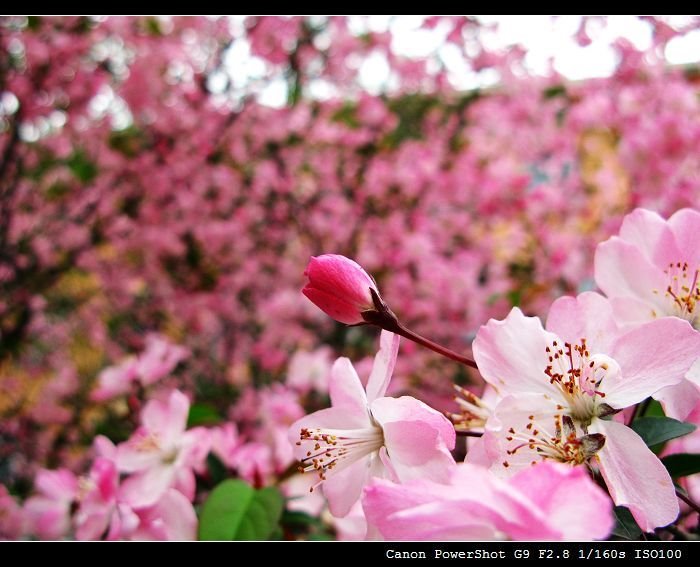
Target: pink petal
(569, 499)
(144, 489)
(340, 274)
(685, 225)
(92, 527)
(652, 356)
(652, 235)
(383, 368)
(588, 315)
(511, 354)
(345, 388)
(334, 306)
(680, 400)
(172, 518)
(635, 476)
(60, 485)
(137, 453)
(693, 374)
(114, 381)
(421, 511)
(634, 311)
(515, 412)
(417, 438)
(167, 418)
(621, 270)
(344, 488)
(47, 518)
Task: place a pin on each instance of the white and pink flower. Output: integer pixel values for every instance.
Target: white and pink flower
(650, 271)
(561, 386)
(365, 434)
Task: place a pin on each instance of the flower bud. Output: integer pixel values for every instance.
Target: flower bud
(339, 287)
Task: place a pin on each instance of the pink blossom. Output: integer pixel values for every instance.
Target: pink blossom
(171, 518)
(544, 502)
(161, 454)
(48, 513)
(115, 380)
(98, 500)
(157, 360)
(340, 287)
(651, 270)
(558, 385)
(365, 434)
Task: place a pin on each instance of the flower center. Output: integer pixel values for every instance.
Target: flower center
(578, 375)
(563, 444)
(335, 449)
(683, 292)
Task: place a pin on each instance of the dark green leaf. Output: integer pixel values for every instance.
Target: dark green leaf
(82, 167)
(625, 526)
(654, 409)
(554, 91)
(203, 414)
(657, 430)
(235, 511)
(682, 464)
(217, 470)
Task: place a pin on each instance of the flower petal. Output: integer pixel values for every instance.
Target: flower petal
(344, 488)
(652, 235)
(685, 225)
(569, 498)
(588, 315)
(621, 270)
(146, 488)
(417, 438)
(680, 400)
(511, 354)
(345, 388)
(634, 311)
(167, 418)
(422, 511)
(333, 306)
(383, 367)
(651, 357)
(635, 476)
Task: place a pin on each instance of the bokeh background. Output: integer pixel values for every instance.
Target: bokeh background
(164, 181)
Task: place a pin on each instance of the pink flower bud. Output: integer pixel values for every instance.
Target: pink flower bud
(340, 287)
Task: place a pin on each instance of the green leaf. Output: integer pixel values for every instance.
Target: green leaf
(657, 430)
(625, 525)
(236, 511)
(682, 464)
(554, 91)
(203, 414)
(654, 409)
(82, 167)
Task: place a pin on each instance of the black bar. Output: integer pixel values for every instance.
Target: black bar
(297, 553)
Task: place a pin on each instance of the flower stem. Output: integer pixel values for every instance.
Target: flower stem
(383, 317)
(416, 338)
